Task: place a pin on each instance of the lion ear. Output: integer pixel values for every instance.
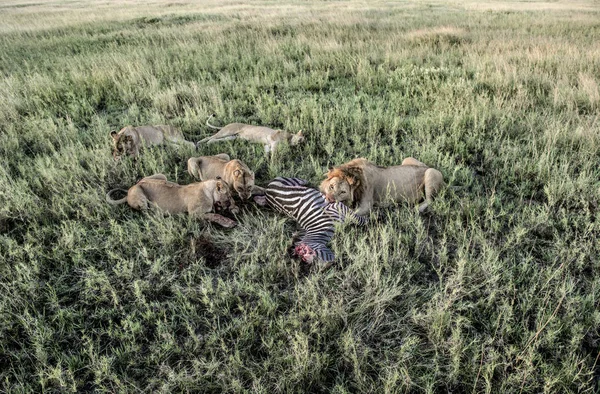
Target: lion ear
(237, 173)
(114, 134)
(299, 134)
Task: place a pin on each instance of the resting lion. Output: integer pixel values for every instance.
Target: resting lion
(234, 172)
(263, 135)
(364, 184)
(198, 199)
(129, 140)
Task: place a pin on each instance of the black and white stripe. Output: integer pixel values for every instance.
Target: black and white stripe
(313, 213)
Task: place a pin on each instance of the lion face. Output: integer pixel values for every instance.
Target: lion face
(243, 183)
(343, 185)
(222, 195)
(297, 138)
(337, 189)
(122, 145)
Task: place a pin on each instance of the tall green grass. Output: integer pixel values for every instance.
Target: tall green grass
(495, 289)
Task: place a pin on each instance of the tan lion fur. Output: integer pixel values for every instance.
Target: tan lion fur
(197, 199)
(234, 172)
(270, 138)
(130, 140)
(362, 184)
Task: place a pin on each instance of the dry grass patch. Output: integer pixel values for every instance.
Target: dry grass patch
(564, 5)
(440, 34)
(588, 85)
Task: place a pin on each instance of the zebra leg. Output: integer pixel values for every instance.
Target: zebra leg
(261, 200)
(257, 191)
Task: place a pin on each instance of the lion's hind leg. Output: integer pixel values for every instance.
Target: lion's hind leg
(223, 156)
(228, 138)
(411, 161)
(433, 182)
(222, 135)
(193, 167)
(178, 141)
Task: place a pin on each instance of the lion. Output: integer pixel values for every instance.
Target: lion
(129, 140)
(270, 138)
(234, 172)
(199, 199)
(363, 184)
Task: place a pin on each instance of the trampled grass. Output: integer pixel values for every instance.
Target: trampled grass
(495, 289)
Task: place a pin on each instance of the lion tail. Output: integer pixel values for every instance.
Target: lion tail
(211, 126)
(115, 202)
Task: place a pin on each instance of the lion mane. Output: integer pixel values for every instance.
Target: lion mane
(354, 174)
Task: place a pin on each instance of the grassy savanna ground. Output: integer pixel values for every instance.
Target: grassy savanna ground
(495, 289)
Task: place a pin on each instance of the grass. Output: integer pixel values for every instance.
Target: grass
(495, 289)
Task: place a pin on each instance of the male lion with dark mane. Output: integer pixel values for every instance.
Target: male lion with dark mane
(363, 184)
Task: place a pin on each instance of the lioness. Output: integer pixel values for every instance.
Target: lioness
(234, 172)
(129, 140)
(360, 182)
(197, 199)
(263, 135)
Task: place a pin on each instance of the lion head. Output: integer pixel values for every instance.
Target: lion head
(241, 178)
(222, 195)
(343, 184)
(297, 138)
(122, 144)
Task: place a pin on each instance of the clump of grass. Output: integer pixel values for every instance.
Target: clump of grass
(436, 36)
